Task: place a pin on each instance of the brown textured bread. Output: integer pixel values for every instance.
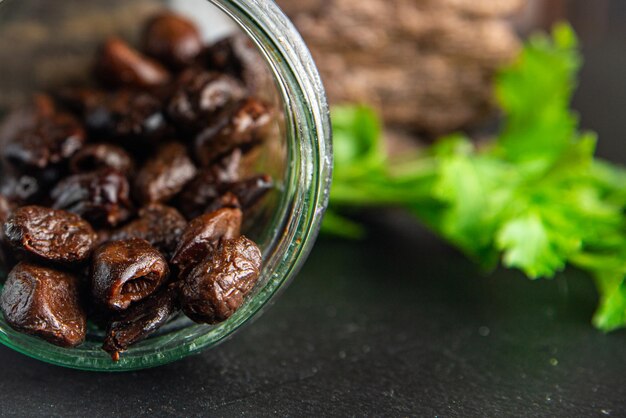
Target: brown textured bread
(426, 64)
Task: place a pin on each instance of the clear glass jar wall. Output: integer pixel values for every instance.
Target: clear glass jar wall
(48, 44)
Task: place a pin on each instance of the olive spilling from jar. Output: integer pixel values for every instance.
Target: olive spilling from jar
(123, 204)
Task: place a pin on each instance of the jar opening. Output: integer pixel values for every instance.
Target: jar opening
(298, 156)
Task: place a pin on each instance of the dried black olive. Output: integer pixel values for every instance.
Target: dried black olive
(43, 301)
(130, 118)
(164, 175)
(50, 140)
(203, 235)
(216, 287)
(50, 234)
(94, 157)
(101, 197)
(160, 225)
(139, 321)
(172, 39)
(237, 55)
(208, 186)
(243, 128)
(204, 194)
(200, 96)
(126, 271)
(119, 65)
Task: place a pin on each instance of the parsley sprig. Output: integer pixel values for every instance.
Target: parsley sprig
(535, 198)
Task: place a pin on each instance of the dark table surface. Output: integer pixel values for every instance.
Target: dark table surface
(399, 324)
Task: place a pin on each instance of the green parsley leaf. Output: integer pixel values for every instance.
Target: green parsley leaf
(527, 244)
(534, 94)
(535, 198)
(611, 313)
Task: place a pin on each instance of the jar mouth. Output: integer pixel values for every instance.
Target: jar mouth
(296, 220)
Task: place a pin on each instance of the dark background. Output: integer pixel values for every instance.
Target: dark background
(397, 325)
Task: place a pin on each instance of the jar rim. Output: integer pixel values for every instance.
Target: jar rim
(308, 178)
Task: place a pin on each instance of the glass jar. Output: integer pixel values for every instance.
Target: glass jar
(300, 157)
